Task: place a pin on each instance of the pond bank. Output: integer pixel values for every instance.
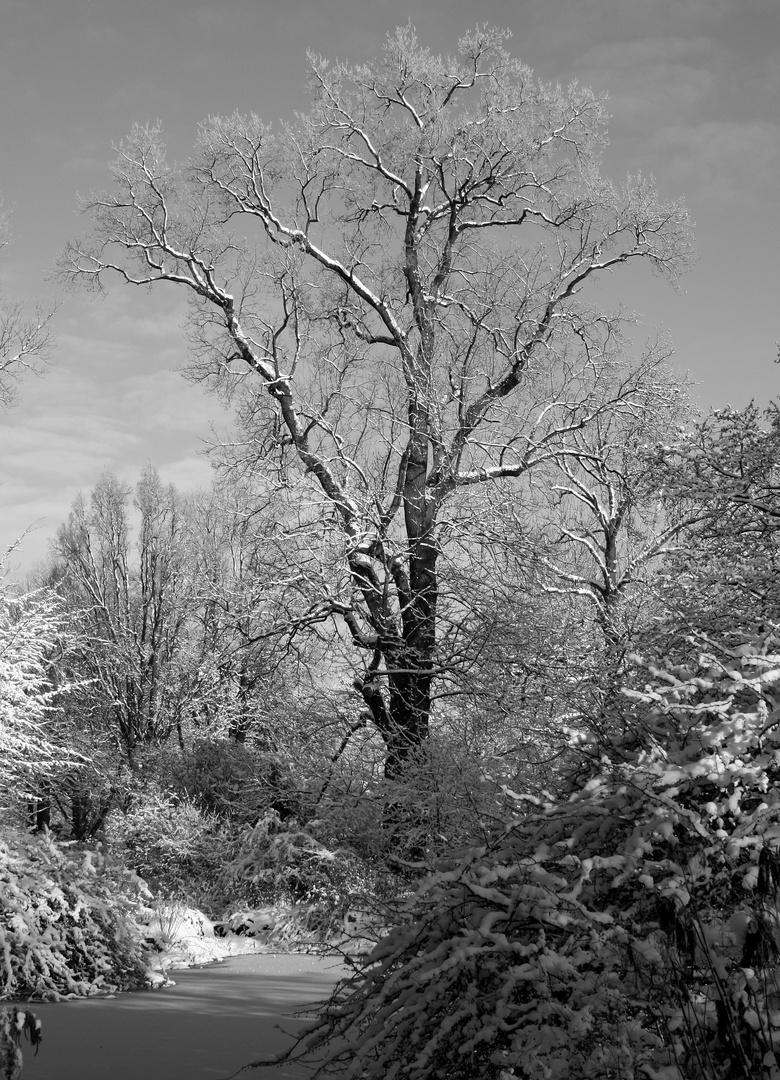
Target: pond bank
(213, 1021)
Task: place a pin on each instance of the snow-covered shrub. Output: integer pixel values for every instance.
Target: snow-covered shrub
(286, 861)
(227, 779)
(67, 925)
(258, 922)
(310, 885)
(629, 931)
(171, 844)
(32, 748)
(168, 921)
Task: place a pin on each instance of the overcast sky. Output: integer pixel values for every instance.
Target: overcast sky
(694, 92)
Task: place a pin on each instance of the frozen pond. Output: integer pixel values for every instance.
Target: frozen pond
(213, 1021)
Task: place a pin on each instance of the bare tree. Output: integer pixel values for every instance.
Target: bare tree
(25, 337)
(607, 527)
(724, 582)
(406, 270)
(131, 612)
(244, 617)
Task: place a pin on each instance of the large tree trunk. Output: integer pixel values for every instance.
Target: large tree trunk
(403, 713)
(40, 808)
(410, 670)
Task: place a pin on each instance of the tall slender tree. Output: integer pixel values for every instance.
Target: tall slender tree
(131, 611)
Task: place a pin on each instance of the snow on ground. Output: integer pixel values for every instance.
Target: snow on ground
(194, 951)
(186, 938)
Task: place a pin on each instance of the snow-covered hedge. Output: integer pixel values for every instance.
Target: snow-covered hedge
(67, 924)
(629, 931)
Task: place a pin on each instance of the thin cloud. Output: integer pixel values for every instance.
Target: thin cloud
(110, 401)
(718, 163)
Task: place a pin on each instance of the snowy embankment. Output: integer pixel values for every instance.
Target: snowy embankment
(181, 937)
(185, 937)
(206, 1022)
(75, 924)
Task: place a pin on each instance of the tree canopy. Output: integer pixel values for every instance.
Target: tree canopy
(406, 270)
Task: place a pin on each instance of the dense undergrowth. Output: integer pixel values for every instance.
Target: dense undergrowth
(223, 865)
(75, 919)
(627, 931)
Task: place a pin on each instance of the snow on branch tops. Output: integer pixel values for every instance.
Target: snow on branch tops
(32, 744)
(406, 270)
(631, 929)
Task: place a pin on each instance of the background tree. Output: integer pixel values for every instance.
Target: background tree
(574, 556)
(25, 338)
(131, 611)
(726, 470)
(613, 529)
(250, 676)
(406, 270)
(244, 634)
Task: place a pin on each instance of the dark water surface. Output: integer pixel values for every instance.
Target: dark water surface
(213, 1021)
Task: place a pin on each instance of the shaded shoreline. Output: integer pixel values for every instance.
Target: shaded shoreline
(216, 1019)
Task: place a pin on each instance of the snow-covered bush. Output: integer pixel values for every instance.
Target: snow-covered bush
(169, 921)
(284, 859)
(630, 931)
(309, 886)
(32, 748)
(179, 850)
(67, 925)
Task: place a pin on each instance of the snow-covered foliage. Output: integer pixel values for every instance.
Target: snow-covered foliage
(283, 887)
(282, 858)
(170, 921)
(172, 844)
(31, 748)
(630, 930)
(294, 871)
(67, 925)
